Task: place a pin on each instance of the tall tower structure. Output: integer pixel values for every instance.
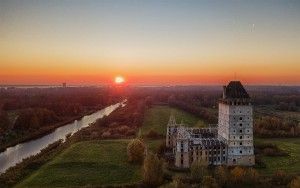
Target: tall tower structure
(235, 124)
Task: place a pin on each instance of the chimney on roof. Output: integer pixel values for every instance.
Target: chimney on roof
(224, 92)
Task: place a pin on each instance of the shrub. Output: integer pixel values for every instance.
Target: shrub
(152, 170)
(280, 178)
(198, 170)
(136, 151)
(209, 182)
(295, 183)
(237, 175)
(252, 176)
(106, 134)
(153, 134)
(221, 175)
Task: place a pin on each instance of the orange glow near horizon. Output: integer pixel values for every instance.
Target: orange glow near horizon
(150, 42)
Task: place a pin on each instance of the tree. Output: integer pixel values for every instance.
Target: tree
(176, 183)
(252, 176)
(295, 183)
(209, 182)
(220, 175)
(4, 121)
(198, 170)
(152, 170)
(280, 178)
(237, 175)
(136, 151)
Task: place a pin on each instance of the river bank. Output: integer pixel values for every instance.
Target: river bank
(46, 130)
(13, 155)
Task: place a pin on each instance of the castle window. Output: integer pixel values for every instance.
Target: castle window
(241, 137)
(233, 137)
(241, 131)
(241, 124)
(234, 161)
(241, 151)
(241, 118)
(241, 143)
(223, 158)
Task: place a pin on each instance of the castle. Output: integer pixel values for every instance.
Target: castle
(229, 143)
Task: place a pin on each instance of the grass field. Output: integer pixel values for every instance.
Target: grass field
(95, 163)
(87, 164)
(290, 164)
(157, 117)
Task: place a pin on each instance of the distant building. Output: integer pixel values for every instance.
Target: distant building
(229, 143)
(64, 84)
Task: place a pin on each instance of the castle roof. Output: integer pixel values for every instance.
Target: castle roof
(235, 90)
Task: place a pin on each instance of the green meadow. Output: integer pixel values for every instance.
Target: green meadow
(290, 164)
(89, 163)
(157, 117)
(104, 162)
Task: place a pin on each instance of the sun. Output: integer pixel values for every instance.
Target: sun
(119, 80)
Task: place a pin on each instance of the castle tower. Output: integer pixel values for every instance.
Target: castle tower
(235, 126)
(171, 129)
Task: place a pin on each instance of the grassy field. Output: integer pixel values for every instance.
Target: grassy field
(105, 162)
(157, 117)
(290, 164)
(87, 164)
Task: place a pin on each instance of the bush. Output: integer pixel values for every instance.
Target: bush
(295, 183)
(237, 175)
(106, 134)
(153, 134)
(280, 178)
(252, 176)
(136, 151)
(198, 170)
(221, 175)
(209, 182)
(152, 170)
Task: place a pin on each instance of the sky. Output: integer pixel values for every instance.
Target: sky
(150, 42)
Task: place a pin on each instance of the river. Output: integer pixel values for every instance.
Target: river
(13, 155)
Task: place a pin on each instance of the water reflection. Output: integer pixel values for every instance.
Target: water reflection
(13, 155)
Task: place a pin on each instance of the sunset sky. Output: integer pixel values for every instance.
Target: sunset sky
(149, 42)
